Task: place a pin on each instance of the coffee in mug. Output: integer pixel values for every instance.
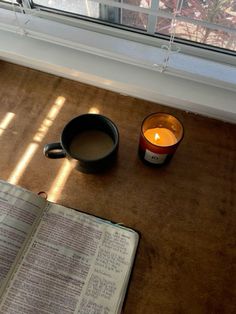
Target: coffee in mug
(91, 144)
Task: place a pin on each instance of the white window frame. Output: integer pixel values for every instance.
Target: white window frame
(186, 47)
(215, 80)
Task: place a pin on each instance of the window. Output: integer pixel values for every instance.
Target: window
(206, 22)
(126, 59)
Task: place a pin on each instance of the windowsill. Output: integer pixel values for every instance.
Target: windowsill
(190, 83)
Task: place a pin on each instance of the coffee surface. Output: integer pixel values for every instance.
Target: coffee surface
(91, 144)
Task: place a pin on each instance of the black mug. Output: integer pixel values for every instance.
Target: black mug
(90, 141)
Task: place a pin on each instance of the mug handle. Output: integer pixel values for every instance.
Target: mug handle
(49, 151)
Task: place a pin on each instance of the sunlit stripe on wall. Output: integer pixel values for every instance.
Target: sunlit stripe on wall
(38, 137)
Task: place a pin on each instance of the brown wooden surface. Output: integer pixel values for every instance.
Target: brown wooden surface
(185, 212)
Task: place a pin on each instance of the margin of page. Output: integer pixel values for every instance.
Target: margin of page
(23, 250)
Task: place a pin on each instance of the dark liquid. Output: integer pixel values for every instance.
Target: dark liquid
(91, 145)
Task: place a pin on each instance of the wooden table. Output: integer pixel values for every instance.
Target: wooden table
(185, 211)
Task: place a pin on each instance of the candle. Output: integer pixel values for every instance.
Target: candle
(160, 135)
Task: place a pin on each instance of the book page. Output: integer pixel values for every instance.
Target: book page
(19, 209)
(76, 263)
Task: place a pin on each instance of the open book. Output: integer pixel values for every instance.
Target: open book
(55, 259)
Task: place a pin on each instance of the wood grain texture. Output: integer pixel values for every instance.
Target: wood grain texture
(185, 212)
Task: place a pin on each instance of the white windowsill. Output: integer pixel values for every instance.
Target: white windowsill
(191, 83)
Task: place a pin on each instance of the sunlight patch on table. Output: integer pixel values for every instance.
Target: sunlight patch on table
(60, 180)
(93, 110)
(6, 121)
(23, 163)
(38, 137)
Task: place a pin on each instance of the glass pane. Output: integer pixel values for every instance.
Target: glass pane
(123, 17)
(87, 8)
(100, 11)
(214, 12)
(198, 33)
(9, 1)
(134, 19)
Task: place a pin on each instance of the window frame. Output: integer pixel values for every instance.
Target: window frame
(121, 65)
(72, 19)
(158, 39)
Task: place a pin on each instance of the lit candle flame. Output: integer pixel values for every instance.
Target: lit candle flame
(160, 136)
(157, 136)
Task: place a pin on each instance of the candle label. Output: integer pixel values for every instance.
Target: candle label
(154, 158)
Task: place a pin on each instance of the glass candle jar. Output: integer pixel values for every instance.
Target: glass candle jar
(160, 136)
